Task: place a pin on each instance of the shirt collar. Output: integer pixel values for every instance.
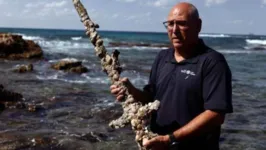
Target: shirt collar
(200, 48)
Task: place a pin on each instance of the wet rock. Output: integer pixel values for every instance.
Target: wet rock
(70, 66)
(259, 48)
(9, 99)
(15, 47)
(8, 96)
(93, 137)
(24, 68)
(12, 141)
(107, 114)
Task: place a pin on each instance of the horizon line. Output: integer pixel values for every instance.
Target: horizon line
(38, 28)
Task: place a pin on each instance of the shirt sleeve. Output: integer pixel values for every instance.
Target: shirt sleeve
(217, 87)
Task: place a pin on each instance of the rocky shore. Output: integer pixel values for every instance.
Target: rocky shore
(15, 47)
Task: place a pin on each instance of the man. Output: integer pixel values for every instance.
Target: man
(193, 84)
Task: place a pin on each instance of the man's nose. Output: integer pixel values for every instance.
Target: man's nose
(175, 27)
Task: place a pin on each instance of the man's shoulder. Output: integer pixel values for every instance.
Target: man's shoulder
(164, 53)
(211, 55)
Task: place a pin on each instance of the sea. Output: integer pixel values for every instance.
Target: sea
(78, 107)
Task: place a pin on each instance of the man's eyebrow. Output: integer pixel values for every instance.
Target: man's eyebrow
(177, 20)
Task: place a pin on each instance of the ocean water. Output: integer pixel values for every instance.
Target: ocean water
(77, 105)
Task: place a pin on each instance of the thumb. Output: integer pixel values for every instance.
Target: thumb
(125, 80)
(128, 84)
(147, 143)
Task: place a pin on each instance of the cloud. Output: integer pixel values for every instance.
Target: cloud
(127, 1)
(46, 8)
(154, 3)
(237, 21)
(1, 2)
(251, 23)
(34, 5)
(115, 15)
(263, 2)
(162, 3)
(214, 2)
(56, 4)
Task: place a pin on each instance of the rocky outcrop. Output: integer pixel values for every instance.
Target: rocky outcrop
(262, 47)
(10, 99)
(23, 68)
(15, 47)
(70, 66)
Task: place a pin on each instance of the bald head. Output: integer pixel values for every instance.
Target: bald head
(183, 26)
(185, 9)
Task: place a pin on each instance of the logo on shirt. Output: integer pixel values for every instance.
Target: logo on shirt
(188, 72)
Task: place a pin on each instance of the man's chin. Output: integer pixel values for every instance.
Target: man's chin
(177, 45)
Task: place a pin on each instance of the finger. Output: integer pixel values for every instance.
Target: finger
(120, 97)
(113, 87)
(121, 91)
(115, 91)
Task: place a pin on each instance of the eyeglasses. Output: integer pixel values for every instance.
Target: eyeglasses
(170, 24)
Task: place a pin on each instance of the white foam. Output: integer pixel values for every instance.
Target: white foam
(64, 44)
(56, 77)
(107, 40)
(215, 35)
(102, 80)
(257, 42)
(66, 59)
(70, 59)
(76, 38)
(139, 48)
(26, 37)
(51, 77)
(239, 51)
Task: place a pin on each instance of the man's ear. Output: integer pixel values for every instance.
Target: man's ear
(199, 25)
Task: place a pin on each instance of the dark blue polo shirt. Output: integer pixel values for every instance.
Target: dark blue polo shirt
(188, 88)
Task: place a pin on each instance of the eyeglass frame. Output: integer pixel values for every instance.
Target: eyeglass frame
(175, 22)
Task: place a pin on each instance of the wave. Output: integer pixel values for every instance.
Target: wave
(76, 38)
(215, 35)
(139, 48)
(64, 59)
(27, 37)
(257, 42)
(84, 78)
(55, 77)
(239, 51)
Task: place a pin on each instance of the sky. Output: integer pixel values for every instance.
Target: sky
(218, 16)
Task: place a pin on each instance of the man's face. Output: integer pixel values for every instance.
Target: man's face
(182, 28)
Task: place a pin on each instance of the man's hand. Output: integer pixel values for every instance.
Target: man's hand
(157, 143)
(119, 92)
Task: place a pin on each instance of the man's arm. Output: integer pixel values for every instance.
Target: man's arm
(205, 122)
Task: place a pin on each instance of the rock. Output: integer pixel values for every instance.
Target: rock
(7, 96)
(24, 68)
(259, 48)
(15, 47)
(10, 99)
(93, 137)
(70, 66)
(15, 141)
